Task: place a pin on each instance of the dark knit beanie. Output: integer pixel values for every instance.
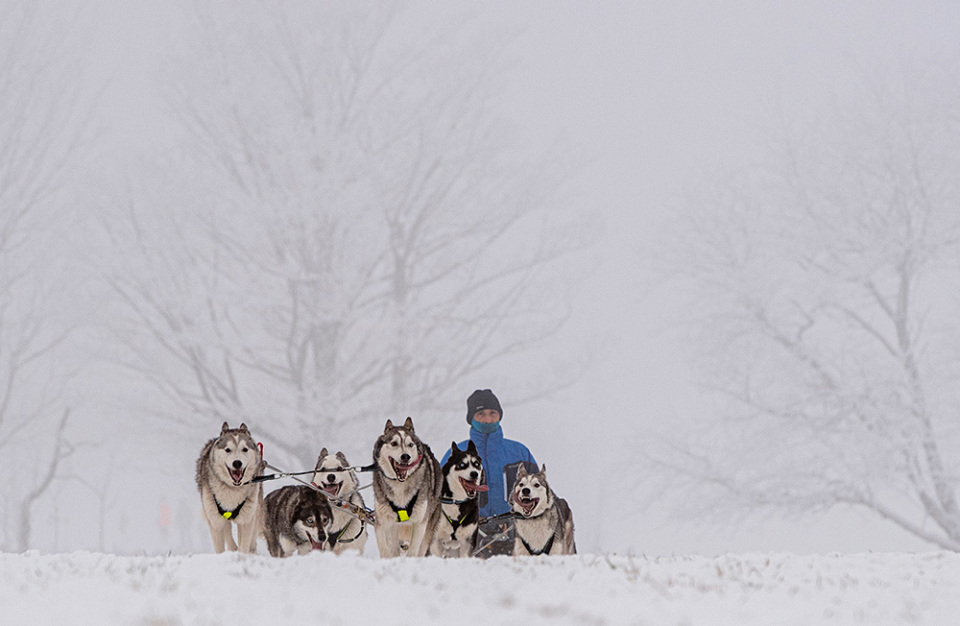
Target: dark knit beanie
(482, 399)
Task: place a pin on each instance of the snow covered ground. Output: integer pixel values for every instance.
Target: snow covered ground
(768, 589)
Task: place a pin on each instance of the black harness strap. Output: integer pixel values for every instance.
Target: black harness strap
(544, 550)
(224, 513)
(403, 513)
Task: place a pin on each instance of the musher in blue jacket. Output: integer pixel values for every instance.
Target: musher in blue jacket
(496, 451)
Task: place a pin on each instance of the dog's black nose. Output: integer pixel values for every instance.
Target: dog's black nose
(331, 478)
(405, 458)
(237, 464)
(525, 491)
(474, 475)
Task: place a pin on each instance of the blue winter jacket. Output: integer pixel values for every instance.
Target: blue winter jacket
(496, 452)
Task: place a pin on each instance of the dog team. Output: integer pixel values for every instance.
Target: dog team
(420, 506)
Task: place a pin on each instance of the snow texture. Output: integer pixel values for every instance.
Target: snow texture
(320, 588)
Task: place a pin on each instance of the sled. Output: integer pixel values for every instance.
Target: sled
(495, 536)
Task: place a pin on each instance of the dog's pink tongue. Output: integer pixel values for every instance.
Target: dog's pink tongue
(316, 545)
(472, 488)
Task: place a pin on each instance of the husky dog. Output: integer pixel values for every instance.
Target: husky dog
(346, 530)
(455, 534)
(406, 490)
(544, 523)
(296, 519)
(225, 468)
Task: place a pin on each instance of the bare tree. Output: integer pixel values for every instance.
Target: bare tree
(43, 120)
(103, 490)
(354, 234)
(829, 331)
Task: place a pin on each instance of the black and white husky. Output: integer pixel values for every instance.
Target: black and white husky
(544, 523)
(225, 468)
(455, 534)
(296, 519)
(406, 490)
(347, 531)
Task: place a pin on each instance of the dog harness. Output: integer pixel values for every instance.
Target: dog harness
(337, 536)
(544, 550)
(403, 514)
(452, 501)
(455, 523)
(224, 512)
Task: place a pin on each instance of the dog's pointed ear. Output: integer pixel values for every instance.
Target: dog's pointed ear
(323, 452)
(243, 428)
(453, 446)
(543, 470)
(472, 448)
(408, 424)
(388, 426)
(521, 471)
(224, 428)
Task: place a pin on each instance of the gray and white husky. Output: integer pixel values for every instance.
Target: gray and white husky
(296, 520)
(347, 531)
(406, 490)
(455, 534)
(225, 468)
(544, 523)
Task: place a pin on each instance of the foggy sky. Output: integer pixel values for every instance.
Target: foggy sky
(652, 98)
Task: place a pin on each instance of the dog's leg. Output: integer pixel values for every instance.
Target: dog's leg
(247, 536)
(228, 537)
(435, 548)
(215, 534)
(466, 546)
(388, 541)
(420, 540)
(273, 545)
(221, 533)
(404, 537)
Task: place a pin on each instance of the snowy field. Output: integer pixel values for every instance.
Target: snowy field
(768, 589)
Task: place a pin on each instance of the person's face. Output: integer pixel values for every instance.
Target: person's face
(487, 416)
